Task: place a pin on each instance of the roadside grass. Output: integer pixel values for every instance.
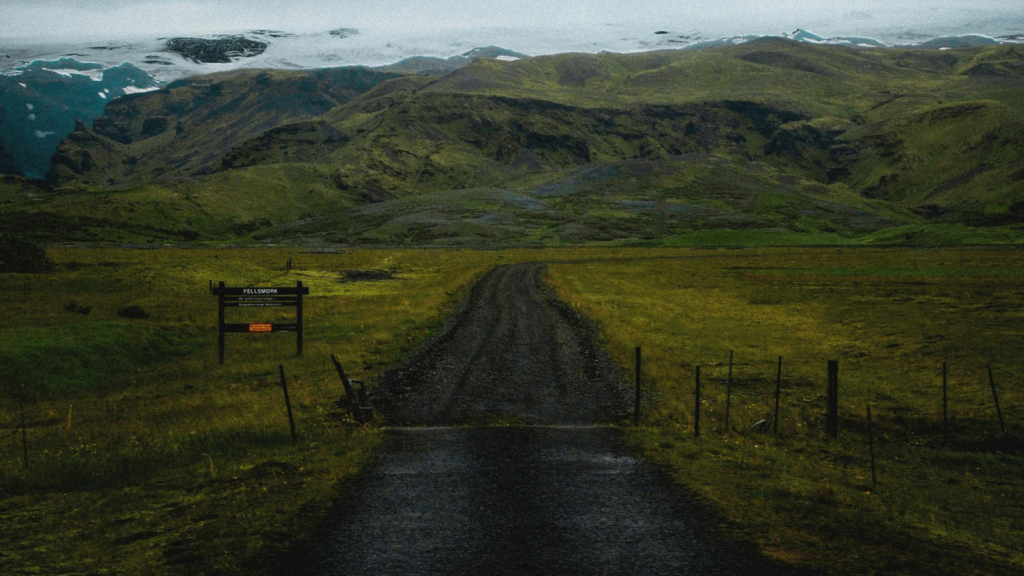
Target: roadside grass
(146, 456)
(945, 235)
(891, 317)
(176, 465)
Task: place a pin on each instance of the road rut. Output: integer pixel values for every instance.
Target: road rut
(512, 351)
(555, 497)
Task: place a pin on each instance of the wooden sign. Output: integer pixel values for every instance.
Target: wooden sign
(271, 297)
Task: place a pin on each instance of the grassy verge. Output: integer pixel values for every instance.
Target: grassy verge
(891, 317)
(145, 455)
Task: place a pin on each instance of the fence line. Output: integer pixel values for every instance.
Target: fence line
(741, 385)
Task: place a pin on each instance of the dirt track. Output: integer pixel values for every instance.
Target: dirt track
(511, 352)
(556, 498)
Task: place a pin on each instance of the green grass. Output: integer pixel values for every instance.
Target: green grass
(946, 235)
(891, 317)
(755, 238)
(174, 464)
(83, 355)
(148, 457)
(947, 272)
(145, 455)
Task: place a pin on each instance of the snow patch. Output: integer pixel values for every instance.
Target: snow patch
(136, 90)
(23, 85)
(505, 58)
(41, 134)
(30, 106)
(94, 75)
(31, 116)
(102, 95)
(66, 72)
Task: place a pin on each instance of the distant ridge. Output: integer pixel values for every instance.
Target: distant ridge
(435, 65)
(767, 137)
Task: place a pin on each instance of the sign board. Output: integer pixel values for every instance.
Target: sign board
(270, 297)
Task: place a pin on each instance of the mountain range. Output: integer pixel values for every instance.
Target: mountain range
(770, 138)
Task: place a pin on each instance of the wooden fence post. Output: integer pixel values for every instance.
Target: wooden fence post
(995, 397)
(945, 413)
(298, 319)
(220, 322)
(728, 394)
(288, 405)
(696, 409)
(636, 379)
(353, 404)
(871, 449)
(24, 435)
(832, 407)
(778, 392)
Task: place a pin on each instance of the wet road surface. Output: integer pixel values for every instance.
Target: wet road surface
(551, 498)
(522, 500)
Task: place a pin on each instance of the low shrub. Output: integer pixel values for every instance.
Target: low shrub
(133, 312)
(17, 255)
(76, 307)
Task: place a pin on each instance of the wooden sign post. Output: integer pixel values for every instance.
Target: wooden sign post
(272, 297)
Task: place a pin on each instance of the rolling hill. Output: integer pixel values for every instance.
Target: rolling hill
(767, 139)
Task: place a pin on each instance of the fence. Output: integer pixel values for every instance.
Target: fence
(962, 402)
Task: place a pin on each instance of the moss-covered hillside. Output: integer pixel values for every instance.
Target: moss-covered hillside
(772, 136)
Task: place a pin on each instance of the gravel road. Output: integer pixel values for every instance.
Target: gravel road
(512, 351)
(558, 496)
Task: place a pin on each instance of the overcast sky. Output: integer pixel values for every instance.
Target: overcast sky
(56, 19)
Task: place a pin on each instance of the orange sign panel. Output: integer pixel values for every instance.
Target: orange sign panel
(261, 327)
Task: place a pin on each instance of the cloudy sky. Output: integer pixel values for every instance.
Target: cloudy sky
(69, 19)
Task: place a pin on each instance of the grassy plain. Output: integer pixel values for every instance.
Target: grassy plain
(173, 464)
(176, 465)
(891, 317)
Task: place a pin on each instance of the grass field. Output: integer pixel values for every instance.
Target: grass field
(172, 464)
(891, 317)
(145, 455)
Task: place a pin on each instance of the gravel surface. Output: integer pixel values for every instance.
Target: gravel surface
(556, 497)
(511, 352)
(521, 501)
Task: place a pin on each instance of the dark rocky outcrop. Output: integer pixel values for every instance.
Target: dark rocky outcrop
(19, 255)
(198, 122)
(218, 50)
(1007, 69)
(40, 105)
(87, 156)
(7, 163)
(298, 142)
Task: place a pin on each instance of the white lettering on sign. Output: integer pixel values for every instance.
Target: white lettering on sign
(259, 291)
